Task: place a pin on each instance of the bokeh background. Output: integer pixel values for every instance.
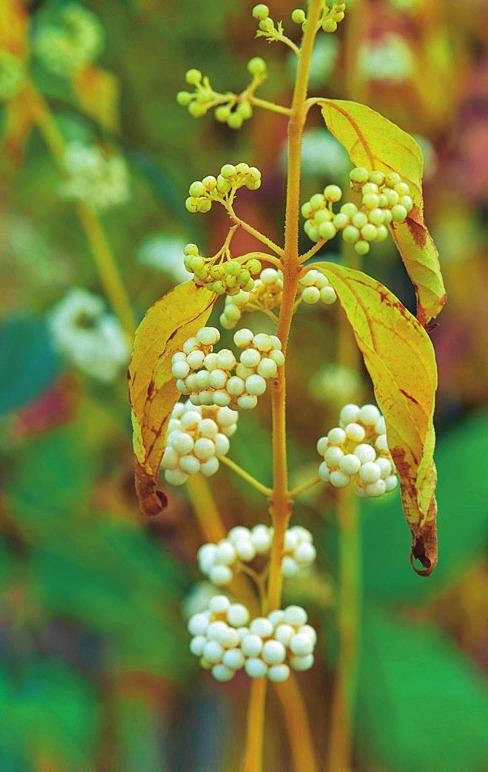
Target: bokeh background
(95, 672)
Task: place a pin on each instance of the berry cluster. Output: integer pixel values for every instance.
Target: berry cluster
(268, 646)
(72, 43)
(222, 188)
(100, 181)
(385, 199)
(334, 13)
(357, 450)
(232, 109)
(12, 75)
(268, 291)
(268, 28)
(222, 274)
(207, 376)
(220, 561)
(197, 438)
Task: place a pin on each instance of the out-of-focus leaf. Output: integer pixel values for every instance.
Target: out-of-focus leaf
(138, 727)
(162, 184)
(375, 142)
(463, 528)
(152, 389)
(400, 359)
(97, 92)
(13, 27)
(28, 362)
(51, 705)
(422, 704)
(19, 120)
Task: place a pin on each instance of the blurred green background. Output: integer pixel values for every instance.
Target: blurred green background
(95, 672)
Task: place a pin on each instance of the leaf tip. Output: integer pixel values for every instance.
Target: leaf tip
(152, 501)
(424, 549)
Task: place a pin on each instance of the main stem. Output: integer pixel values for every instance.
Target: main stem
(280, 501)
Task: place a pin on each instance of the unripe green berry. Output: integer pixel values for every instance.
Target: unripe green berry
(370, 187)
(392, 179)
(407, 202)
(233, 268)
(350, 234)
(197, 109)
(266, 25)
(191, 249)
(223, 185)
(244, 110)
(209, 182)
(254, 266)
(222, 113)
(360, 219)
(317, 201)
(234, 121)
(333, 193)
(399, 213)
(402, 189)
(323, 215)
(359, 175)
(197, 263)
(298, 16)
(197, 189)
(183, 98)
(306, 209)
(327, 231)
(369, 232)
(260, 11)
(228, 170)
(329, 25)
(361, 247)
(256, 66)
(376, 216)
(378, 178)
(340, 221)
(191, 204)
(244, 276)
(382, 233)
(249, 286)
(370, 201)
(204, 205)
(349, 209)
(193, 77)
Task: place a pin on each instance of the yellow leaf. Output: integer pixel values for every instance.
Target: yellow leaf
(152, 388)
(97, 92)
(18, 122)
(14, 28)
(374, 142)
(400, 359)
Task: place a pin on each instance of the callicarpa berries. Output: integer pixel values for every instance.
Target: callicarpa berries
(385, 200)
(220, 561)
(222, 188)
(357, 451)
(226, 640)
(222, 274)
(197, 438)
(217, 378)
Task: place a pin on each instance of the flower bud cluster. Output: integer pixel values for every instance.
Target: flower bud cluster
(202, 193)
(232, 109)
(268, 292)
(226, 640)
(385, 200)
(333, 15)
(357, 451)
(12, 74)
(72, 43)
(197, 438)
(220, 561)
(211, 378)
(93, 178)
(222, 274)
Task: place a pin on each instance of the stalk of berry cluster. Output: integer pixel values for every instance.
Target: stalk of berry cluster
(108, 270)
(339, 746)
(280, 502)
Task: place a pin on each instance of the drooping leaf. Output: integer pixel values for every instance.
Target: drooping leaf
(375, 142)
(152, 389)
(400, 359)
(97, 92)
(28, 362)
(422, 703)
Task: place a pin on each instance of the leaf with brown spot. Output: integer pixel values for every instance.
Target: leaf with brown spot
(152, 389)
(374, 142)
(400, 359)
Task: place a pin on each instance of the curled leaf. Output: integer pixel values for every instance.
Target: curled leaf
(399, 357)
(374, 142)
(152, 389)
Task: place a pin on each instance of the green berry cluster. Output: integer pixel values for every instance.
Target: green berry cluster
(334, 13)
(268, 28)
(232, 109)
(222, 188)
(222, 274)
(385, 200)
(319, 215)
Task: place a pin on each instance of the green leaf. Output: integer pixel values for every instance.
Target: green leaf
(422, 704)
(28, 361)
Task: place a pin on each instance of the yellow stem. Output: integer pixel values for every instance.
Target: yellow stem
(305, 487)
(312, 251)
(106, 265)
(246, 476)
(274, 108)
(298, 729)
(280, 501)
(253, 231)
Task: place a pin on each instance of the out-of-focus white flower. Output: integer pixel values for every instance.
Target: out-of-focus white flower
(72, 42)
(12, 73)
(335, 383)
(388, 59)
(100, 181)
(88, 336)
(164, 253)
